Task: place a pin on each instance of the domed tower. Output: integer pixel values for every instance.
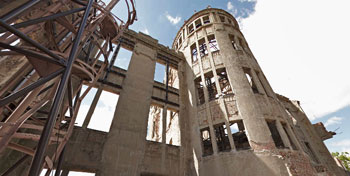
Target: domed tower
(238, 125)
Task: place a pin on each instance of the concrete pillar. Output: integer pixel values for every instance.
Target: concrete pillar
(125, 145)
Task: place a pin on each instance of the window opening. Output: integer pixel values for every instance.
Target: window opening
(180, 40)
(123, 58)
(190, 28)
(172, 128)
(224, 82)
(194, 53)
(222, 137)
(229, 21)
(102, 117)
(213, 45)
(210, 83)
(222, 19)
(311, 152)
(155, 121)
(207, 148)
(160, 72)
(234, 44)
(206, 20)
(285, 128)
(202, 47)
(85, 105)
(263, 85)
(198, 23)
(200, 91)
(252, 83)
(173, 78)
(239, 135)
(275, 134)
(240, 41)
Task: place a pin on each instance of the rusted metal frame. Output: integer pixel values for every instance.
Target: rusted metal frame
(115, 54)
(19, 10)
(29, 88)
(21, 148)
(13, 167)
(32, 42)
(45, 18)
(13, 82)
(59, 164)
(31, 54)
(34, 137)
(45, 135)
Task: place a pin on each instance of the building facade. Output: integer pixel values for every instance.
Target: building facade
(213, 114)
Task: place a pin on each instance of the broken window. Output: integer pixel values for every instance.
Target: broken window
(262, 83)
(222, 19)
(229, 21)
(160, 72)
(311, 152)
(239, 135)
(123, 58)
(155, 121)
(172, 128)
(198, 23)
(180, 40)
(206, 20)
(200, 91)
(104, 112)
(173, 78)
(285, 128)
(275, 134)
(207, 148)
(232, 38)
(222, 137)
(210, 83)
(190, 28)
(213, 45)
(203, 50)
(85, 105)
(240, 42)
(223, 81)
(194, 53)
(252, 83)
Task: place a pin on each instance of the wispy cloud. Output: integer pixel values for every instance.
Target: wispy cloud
(229, 6)
(343, 145)
(172, 20)
(145, 31)
(333, 121)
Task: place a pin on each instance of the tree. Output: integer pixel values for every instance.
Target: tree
(344, 157)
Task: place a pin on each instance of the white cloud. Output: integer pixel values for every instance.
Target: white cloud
(304, 54)
(145, 31)
(172, 20)
(333, 121)
(229, 5)
(343, 145)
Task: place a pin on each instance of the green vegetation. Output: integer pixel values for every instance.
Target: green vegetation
(344, 157)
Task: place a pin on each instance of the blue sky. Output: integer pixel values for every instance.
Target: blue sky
(302, 47)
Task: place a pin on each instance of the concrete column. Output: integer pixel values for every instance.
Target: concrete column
(125, 145)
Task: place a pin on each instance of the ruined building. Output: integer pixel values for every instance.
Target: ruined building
(214, 113)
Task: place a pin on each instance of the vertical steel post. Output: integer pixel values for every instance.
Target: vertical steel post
(46, 134)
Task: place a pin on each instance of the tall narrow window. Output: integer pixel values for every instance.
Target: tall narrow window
(222, 137)
(252, 83)
(206, 20)
(207, 148)
(211, 86)
(190, 28)
(311, 152)
(173, 78)
(233, 42)
(123, 58)
(275, 134)
(198, 23)
(155, 128)
(263, 84)
(200, 91)
(172, 128)
(160, 72)
(202, 47)
(239, 135)
(285, 128)
(194, 53)
(213, 45)
(223, 81)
